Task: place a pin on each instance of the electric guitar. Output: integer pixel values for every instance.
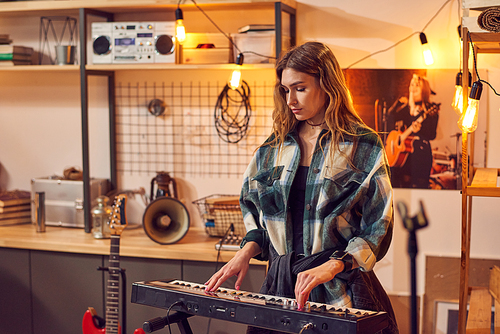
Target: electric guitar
(399, 144)
(92, 323)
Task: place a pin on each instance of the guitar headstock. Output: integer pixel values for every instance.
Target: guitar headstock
(118, 220)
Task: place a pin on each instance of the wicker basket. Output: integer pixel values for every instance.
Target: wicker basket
(218, 212)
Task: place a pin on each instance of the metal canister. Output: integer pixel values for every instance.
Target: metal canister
(101, 215)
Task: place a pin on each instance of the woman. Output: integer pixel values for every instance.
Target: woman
(418, 116)
(320, 183)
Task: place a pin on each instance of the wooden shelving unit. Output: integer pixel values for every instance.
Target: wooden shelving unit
(481, 181)
(106, 9)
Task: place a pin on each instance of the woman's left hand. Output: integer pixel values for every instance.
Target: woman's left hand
(309, 279)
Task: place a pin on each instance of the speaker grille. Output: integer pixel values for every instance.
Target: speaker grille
(164, 44)
(102, 45)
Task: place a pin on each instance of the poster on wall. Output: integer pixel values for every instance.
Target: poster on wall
(411, 110)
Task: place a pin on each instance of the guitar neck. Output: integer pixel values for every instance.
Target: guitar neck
(113, 290)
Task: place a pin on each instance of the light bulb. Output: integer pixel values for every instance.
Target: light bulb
(180, 30)
(468, 120)
(457, 98)
(428, 59)
(235, 79)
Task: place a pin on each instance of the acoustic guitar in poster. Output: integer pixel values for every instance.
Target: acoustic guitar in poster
(399, 144)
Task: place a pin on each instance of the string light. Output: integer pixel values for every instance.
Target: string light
(428, 58)
(468, 120)
(235, 78)
(180, 30)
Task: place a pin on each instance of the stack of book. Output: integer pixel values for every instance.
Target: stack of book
(5, 39)
(15, 55)
(15, 207)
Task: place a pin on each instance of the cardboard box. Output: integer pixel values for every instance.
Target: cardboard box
(64, 199)
(206, 48)
(262, 43)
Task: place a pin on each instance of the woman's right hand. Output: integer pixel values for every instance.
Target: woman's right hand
(237, 266)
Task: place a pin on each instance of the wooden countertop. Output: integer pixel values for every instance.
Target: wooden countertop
(195, 246)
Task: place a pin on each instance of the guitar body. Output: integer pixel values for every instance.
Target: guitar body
(398, 148)
(91, 323)
(400, 144)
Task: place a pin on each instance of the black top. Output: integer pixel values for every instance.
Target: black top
(296, 204)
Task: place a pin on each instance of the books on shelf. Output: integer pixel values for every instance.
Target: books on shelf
(15, 207)
(256, 27)
(5, 39)
(15, 55)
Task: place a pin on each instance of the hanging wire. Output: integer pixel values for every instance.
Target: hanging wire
(404, 39)
(229, 38)
(232, 127)
(475, 65)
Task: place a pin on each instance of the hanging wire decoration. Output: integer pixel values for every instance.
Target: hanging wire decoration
(232, 113)
(54, 31)
(183, 139)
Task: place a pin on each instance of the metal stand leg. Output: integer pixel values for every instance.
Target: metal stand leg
(412, 224)
(178, 317)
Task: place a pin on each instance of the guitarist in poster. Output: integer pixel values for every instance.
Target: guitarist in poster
(413, 121)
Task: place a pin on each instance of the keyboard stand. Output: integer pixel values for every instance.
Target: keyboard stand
(179, 318)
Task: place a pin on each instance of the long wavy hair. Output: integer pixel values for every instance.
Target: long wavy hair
(316, 59)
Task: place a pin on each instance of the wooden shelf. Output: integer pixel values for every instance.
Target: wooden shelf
(123, 5)
(484, 183)
(36, 68)
(195, 246)
(131, 67)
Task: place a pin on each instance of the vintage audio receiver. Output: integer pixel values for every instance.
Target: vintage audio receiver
(133, 42)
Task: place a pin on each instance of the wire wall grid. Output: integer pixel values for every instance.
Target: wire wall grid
(183, 139)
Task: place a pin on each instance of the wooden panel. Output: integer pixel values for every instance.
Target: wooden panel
(484, 183)
(495, 282)
(63, 287)
(15, 300)
(479, 318)
(442, 277)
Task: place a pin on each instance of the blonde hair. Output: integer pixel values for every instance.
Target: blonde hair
(317, 60)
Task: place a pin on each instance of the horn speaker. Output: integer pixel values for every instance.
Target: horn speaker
(166, 220)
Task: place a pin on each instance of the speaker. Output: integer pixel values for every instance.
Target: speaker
(102, 44)
(166, 220)
(164, 42)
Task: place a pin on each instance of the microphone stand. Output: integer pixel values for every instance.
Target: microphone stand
(412, 224)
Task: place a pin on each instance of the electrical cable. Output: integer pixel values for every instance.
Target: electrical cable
(168, 311)
(232, 127)
(475, 65)
(229, 38)
(404, 39)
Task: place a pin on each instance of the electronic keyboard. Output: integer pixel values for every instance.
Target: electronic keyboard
(265, 311)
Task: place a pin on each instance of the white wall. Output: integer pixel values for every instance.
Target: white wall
(40, 130)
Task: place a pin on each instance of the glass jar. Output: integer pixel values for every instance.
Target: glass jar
(101, 216)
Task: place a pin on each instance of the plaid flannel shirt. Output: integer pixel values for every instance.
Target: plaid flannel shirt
(346, 208)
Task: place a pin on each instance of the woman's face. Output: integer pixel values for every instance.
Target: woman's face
(416, 89)
(304, 96)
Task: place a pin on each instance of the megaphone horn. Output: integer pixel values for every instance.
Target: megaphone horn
(166, 220)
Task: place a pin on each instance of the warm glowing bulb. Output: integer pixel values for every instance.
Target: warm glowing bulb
(235, 80)
(180, 31)
(468, 120)
(428, 59)
(457, 100)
